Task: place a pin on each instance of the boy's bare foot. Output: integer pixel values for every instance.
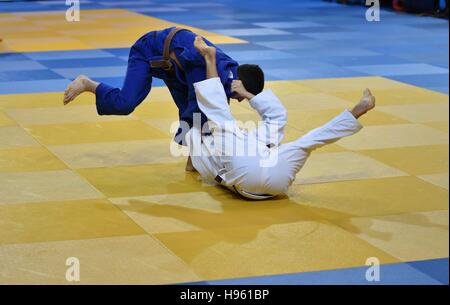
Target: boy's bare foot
(76, 87)
(366, 104)
(189, 166)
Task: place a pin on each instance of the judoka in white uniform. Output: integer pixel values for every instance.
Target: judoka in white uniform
(254, 164)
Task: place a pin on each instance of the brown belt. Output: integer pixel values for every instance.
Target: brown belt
(165, 63)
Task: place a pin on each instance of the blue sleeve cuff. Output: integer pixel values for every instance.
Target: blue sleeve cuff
(100, 100)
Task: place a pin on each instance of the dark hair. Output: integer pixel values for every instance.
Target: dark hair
(252, 78)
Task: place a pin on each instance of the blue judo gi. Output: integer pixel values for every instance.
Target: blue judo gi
(138, 80)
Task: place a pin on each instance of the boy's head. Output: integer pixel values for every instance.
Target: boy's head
(252, 77)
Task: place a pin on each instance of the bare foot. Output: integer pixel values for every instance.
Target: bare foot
(189, 166)
(79, 85)
(366, 104)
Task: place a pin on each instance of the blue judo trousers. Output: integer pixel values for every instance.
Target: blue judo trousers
(138, 80)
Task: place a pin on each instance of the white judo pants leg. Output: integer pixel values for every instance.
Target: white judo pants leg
(296, 153)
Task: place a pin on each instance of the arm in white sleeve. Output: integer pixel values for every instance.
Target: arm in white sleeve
(213, 102)
(273, 115)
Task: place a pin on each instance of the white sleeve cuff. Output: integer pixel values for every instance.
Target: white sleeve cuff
(266, 95)
(207, 83)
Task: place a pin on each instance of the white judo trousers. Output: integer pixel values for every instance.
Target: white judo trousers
(254, 164)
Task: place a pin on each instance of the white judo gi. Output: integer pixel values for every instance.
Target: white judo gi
(227, 155)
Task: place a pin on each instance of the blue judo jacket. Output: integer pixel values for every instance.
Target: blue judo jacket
(138, 80)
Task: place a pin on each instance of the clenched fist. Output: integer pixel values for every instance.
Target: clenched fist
(238, 88)
(203, 48)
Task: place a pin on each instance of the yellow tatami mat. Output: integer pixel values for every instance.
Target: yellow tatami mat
(106, 28)
(108, 191)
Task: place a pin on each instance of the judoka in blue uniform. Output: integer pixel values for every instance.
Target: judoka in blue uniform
(138, 80)
(169, 55)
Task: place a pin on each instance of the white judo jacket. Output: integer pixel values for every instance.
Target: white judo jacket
(254, 164)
